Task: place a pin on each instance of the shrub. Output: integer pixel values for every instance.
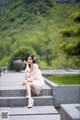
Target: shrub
(4, 61)
(71, 31)
(20, 53)
(76, 16)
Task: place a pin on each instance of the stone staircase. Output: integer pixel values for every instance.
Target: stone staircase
(13, 100)
(16, 97)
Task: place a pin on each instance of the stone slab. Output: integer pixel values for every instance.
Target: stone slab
(11, 85)
(66, 94)
(35, 117)
(35, 113)
(60, 72)
(70, 111)
(17, 91)
(35, 110)
(22, 101)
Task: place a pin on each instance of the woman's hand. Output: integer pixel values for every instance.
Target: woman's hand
(25, 62)
(24, 82)
(29, 80)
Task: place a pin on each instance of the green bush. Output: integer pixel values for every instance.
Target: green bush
(60, 63)
(20, 53)
(44, 65)
(76, 16)
(67, 47)
(4, 61)
(71, 31)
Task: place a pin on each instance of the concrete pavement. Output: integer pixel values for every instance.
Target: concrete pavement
(13, 100)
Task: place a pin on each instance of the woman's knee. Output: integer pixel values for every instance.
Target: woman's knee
(27, 83)
(30, 84)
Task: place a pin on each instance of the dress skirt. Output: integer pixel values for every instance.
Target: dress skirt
(37, 86)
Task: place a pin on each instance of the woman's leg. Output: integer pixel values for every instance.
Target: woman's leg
(28, 90)
(36, 87)
(26, 77)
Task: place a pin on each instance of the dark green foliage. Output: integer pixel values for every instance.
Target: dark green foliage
(11, 19)
(77, 49)
(76, 16)
(47, 2)
(73, 31)
(38, 6)
(5, 49)
(70, 48)
(35, 23)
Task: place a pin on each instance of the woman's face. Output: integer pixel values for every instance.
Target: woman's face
(29, 60)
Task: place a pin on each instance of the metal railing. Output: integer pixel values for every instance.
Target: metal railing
(3, 70)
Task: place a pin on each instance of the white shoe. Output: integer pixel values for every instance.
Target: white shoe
(31, 105)
(27, 96)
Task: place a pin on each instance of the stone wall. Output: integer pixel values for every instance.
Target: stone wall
(64, 94)
(70, 111)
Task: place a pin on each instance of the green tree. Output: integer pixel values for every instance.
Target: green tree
(5, 48)
(72, 48)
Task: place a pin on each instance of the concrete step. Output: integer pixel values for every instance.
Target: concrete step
(35, 117)
(35, 113)
(22, 101)
(20, 91)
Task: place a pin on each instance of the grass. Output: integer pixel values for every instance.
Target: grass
(64, 79)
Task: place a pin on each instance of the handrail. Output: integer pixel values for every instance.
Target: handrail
(3, 69)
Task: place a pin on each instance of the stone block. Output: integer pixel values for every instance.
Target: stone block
(70, 111)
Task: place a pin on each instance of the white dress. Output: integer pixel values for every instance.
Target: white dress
(36, 78)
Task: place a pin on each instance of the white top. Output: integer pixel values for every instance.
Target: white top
(35, 74)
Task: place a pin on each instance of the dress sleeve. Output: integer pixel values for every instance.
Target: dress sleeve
(37, 72)
(33, 75)
(27, 68)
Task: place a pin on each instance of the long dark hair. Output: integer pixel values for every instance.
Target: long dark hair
(32, 57)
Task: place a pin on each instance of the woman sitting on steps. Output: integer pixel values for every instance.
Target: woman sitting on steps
(34, 80)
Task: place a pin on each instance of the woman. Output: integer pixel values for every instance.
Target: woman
(33, 79)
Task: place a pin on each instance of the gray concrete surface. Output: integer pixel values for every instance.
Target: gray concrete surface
(40, 110)
(60, 72)
(66, 95)
(13, 100)
(35, 113)
(70, 111)
(35, 117)
(12, 92)
(22, 101)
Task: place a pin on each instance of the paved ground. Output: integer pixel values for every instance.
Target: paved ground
(35, 113)
(55, 72)
(10, 85)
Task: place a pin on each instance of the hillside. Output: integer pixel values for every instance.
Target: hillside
(35, 23)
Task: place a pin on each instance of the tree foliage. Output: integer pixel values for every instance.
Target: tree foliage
(76, 16)
(73, 31)
(20, 53)
(35, 23)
